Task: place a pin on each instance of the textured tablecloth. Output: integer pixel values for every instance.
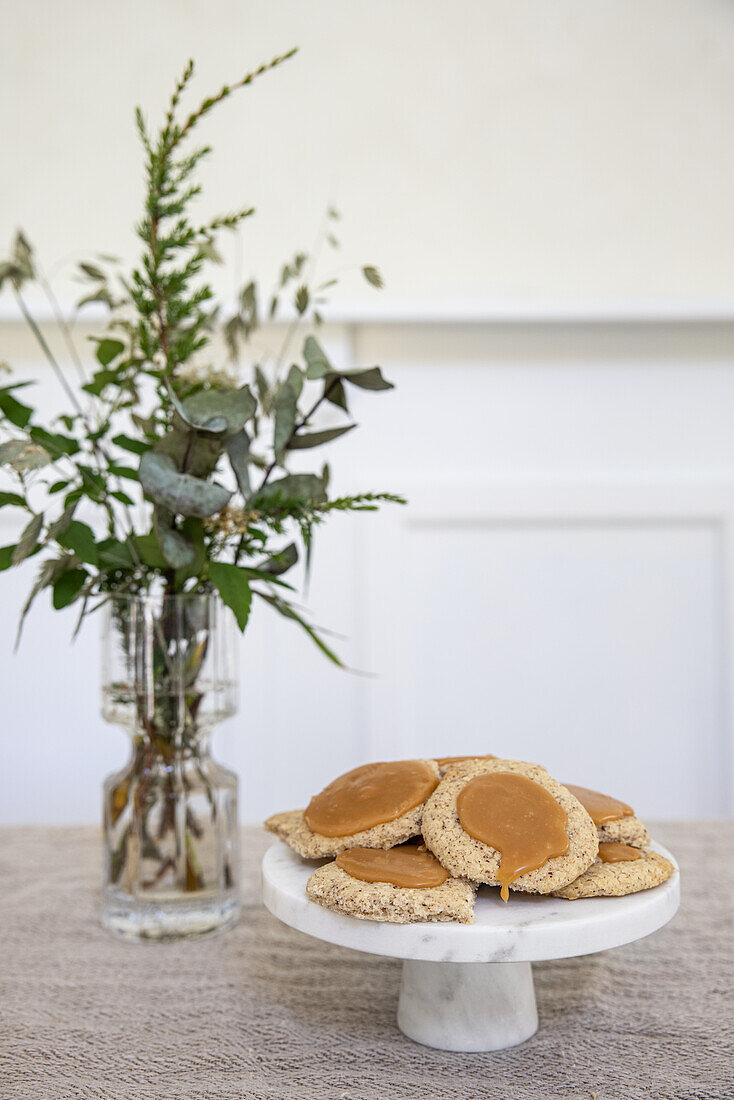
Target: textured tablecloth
(265, 1012)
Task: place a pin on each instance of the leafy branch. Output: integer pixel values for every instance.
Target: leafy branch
(154, 430)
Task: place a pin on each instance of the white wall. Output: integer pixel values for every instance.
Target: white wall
(560, 588)
(480, 150)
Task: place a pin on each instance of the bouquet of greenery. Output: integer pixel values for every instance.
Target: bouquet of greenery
(156, 430)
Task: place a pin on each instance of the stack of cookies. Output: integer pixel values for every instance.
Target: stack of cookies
(412, 840)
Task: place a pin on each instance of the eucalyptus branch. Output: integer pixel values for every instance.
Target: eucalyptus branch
(297, 427)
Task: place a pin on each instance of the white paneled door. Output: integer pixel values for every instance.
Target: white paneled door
(581, 626)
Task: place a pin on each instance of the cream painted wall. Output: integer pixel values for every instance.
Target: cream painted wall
(481, 151)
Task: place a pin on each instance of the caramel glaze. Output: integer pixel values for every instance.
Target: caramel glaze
(444, 761)
(612, 852)
(370, 795)
(518, 818)
(600, 807)
(407, 866)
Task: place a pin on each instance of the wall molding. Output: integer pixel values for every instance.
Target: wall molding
(458, 312)
(583, 503)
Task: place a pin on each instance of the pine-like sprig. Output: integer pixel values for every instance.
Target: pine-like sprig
(167, 290)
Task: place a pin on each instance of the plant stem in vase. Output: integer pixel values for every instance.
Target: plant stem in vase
(170, 815)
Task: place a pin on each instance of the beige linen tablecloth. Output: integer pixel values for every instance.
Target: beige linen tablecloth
(265, 1012)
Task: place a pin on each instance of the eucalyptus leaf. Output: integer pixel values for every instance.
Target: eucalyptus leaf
(193, 530)
(281, 562)
(194, 453)
(285, 412)
(306, 487)
(369, 379)
(295, 379)
(238, 452)
(335, 393)
(315, 439)
(177, 549)
(234, 407)
(181, 493)
(317, 363)
(216, 425)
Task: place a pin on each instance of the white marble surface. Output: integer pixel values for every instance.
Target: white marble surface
(528, 928)
(467, 1006)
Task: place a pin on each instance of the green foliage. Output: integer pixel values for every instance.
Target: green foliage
(233, 585)
(157, 428)
(181, 494)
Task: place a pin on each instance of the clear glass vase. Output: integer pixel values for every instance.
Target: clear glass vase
(170, 815)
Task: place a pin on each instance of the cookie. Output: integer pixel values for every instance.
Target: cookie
(465, 857)
(624, 830)
(613, 880)
(614, 819)
(447, 762)
(292, 828)
(381, 901)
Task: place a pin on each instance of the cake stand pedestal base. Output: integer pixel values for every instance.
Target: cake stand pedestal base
(469, 987)
(467, 1006)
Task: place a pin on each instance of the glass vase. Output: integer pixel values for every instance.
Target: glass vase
(171, 836)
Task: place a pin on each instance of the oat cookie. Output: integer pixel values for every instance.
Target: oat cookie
(465, 857)
(446, 763)
(290, 826)
(381, 901)
(612, 880)
(624, 830)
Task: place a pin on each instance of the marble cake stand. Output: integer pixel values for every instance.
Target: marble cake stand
(469, 987)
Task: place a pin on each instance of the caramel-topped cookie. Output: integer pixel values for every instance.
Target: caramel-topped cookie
(408, 865)
(490, 811)
(382, 804)
(446, 762)
(611, 879)
(370, 795)
(615, 820)
(399, 886)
